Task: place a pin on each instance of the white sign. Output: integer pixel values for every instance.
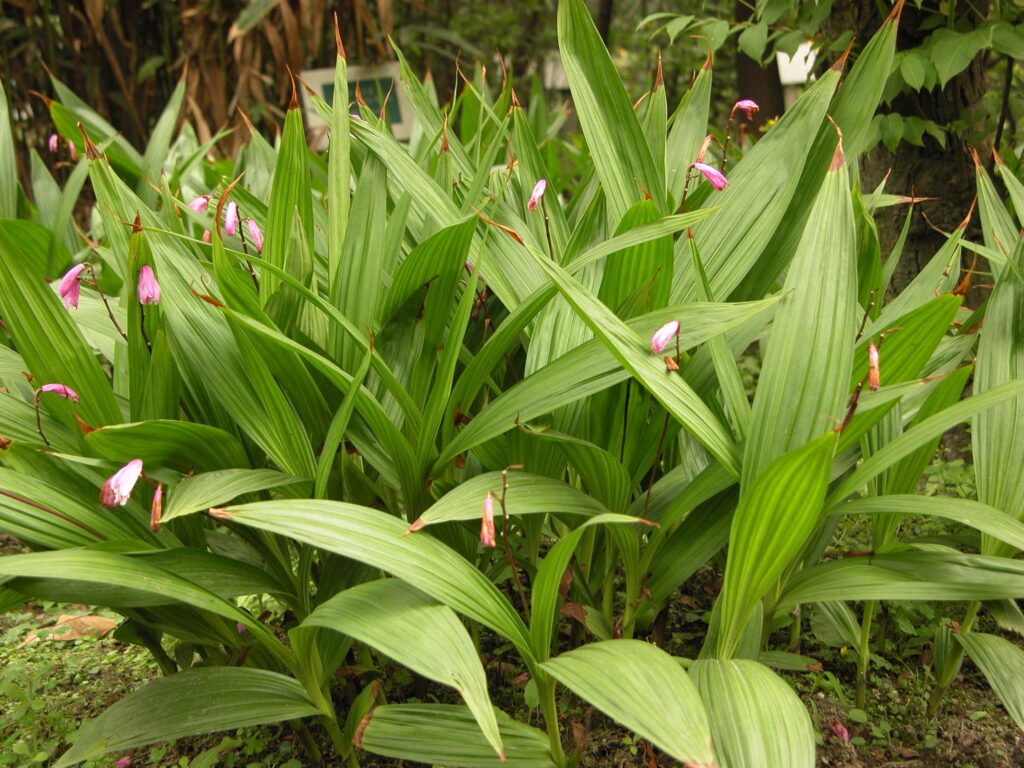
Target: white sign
(380, 88)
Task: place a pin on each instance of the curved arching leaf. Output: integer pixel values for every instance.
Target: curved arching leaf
(190, 703)
(645, 689)
(403, 623)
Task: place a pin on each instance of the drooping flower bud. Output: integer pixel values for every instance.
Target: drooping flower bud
(199, 204)
(874, 372)
(53, 143)
(61, 390)
(207, 237)
(149, 288)
(747, 106)
(156, 508)
(72, 151)
(118, 487)
(487, 537)
(70, 286)
(255, 234)
(715, 176)
(241, 628)
(231, 219)
(123, 762)
(537, 194)
(664, 335)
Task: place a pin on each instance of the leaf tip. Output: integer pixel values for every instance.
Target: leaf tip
(337, 39)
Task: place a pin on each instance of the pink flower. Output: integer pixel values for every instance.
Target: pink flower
(241, 628)
(123, 762)
(148, 288)
(118, 487)
(255, 234)
(664, 335)
(715, 176)
(199, 204)
(536, 195)
(156, 508)
(231, 219)
(207, 237)
(53, 143)
(72, 150)
(747, 106)
(874, 372)
(839, 730)
(487, 537)
(70, 286)
(62, 390)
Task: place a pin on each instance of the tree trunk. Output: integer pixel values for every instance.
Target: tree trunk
(945, 173)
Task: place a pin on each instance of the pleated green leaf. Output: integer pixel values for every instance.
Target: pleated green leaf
(804, 381)
(775, 516)
(689, 127)
(852, 109)
(189, 704)
(644, 689)
(642, 274)
(989, 520)
(1002, 663)
(45, 334)
(289, 192)
(919, 435)
(159, 143)
(47, 515)
(339, 168)
(182, 445)
(634, 354)
(196, 493)
(107, 569)
(590, 368)
(525, 494)
(211, 360)
(941, 576)
(382, 541)
(436, 262)
(428, 638)
(8, 166)
(754, 204)
(757, 720)
(443, 734)
(605, 112)
(998, 433)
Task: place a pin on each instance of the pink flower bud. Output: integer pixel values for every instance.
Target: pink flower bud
(536, 195)
(747, 106)
(156, 508)
(255, 234)
(149, 288)
(241, 628)
(199, 204)
(715, 176)
(53, 143)
(231, 219)
(874, 372)
(487, 537)
(839, 731)
(664, 335)
(207, 237)
(61, 390)
(70, 286)
(118, 487)
(123, 762)
(72, 150)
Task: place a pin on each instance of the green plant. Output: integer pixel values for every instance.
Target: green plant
(304, 440)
